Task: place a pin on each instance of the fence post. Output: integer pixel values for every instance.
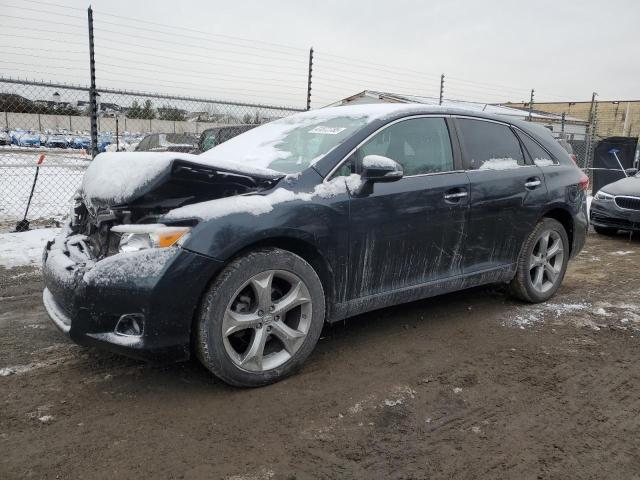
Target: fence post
(531, 104)
(6, 119)
(309, 78)
(562, 120)
(117, 135)
(93, 107)
(441, 89)
(590, 131)
(39, 124)
(70, 127)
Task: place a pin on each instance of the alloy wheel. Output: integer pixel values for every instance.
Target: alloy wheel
(546, 261)
(267, 320)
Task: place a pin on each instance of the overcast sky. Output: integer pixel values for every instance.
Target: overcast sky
(489, 50)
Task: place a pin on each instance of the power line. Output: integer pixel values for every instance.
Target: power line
(173, 70)
(48, 12)
(211, 40)
(202, 32)
(50, 4)
(207, 57)
(170, 42)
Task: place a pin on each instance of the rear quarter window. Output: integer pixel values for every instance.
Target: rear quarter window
(538, 155)
(489, 145)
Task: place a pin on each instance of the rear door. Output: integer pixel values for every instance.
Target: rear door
(507, 193)
(410, 231)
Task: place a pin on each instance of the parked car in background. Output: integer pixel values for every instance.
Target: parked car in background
(211, 137)
(104, 140)
(239, 255)
(617, 206)
(5, 137)
(567, 146)
(29, 140)
(57, 141)
(16, 134)
(167, 142)
(81, 142)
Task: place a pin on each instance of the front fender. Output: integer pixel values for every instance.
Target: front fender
(320, 224)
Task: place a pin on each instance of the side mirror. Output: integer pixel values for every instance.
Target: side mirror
(376, 168)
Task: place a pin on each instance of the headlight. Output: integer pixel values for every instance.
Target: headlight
(141, 237)
(603, 196)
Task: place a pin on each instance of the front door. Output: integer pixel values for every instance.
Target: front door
(508, 193)
(412, 230)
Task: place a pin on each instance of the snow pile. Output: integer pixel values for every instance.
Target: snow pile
(130, 267)
(622, 253)
(116, 176)
(378, 161)
(543, 162)
(255, 204)
(24, 248)
(499, 164)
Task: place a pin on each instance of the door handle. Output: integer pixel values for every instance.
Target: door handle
(453, 196)
(532, 183)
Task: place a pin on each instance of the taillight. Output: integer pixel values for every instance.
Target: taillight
(574, 158)
(584, 182)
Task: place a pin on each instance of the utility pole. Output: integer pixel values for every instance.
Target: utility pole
(590, 130)
(93, 107)
(531, 104)
(309, 78)
(441, 89)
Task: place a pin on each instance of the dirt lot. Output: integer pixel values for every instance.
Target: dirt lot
(469, 385)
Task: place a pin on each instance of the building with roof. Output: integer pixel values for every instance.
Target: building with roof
(573, 127)
(614, 118)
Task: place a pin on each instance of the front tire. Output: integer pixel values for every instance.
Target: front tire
(542, 262)
(261, 318)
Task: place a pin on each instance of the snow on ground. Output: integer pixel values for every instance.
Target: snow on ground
(58, 179)
(581, 314)
(24, 248)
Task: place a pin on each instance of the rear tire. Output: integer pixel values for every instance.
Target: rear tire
(542, 262)
(608, 231)
(261, 318)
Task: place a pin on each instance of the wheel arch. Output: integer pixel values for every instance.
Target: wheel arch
(301, 247)
(565, 218)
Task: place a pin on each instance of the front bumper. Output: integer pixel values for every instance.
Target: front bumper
(85, 300)
(605, 213)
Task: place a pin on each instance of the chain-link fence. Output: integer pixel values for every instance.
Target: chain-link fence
(45, 139)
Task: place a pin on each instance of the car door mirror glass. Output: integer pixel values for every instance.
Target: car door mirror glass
(377, 168)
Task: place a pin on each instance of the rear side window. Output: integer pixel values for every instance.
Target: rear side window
(420, 145)
(489, 146)
(538, 154)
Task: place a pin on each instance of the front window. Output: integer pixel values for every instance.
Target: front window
(292, 144)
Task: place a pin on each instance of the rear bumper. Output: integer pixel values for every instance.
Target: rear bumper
(86, 300)
(607, 214)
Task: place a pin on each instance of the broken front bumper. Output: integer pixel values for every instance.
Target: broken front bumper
(161, 287)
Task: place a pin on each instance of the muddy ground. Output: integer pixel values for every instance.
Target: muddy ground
(468, 385)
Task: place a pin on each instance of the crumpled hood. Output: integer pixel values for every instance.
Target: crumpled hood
(116, 178)
(626, 186)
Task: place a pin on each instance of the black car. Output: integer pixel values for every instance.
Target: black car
(617, 206)
(167, 142)
(211, 137)
(241, 254)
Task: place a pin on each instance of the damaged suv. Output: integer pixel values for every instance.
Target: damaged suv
(241, 254)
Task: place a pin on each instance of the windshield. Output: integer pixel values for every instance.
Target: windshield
(291, 144)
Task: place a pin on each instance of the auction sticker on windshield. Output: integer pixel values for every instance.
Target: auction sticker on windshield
(327, 130)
